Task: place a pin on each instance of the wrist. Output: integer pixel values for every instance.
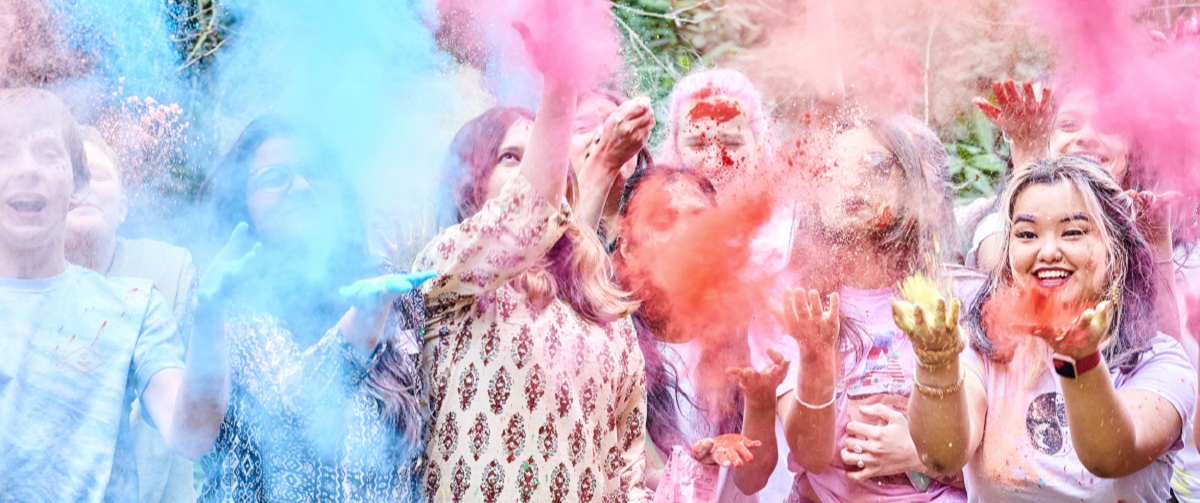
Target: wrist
(1069, 367)
(940, 377)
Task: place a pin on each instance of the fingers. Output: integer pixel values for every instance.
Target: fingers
(939, 312)
(835, 307)
(991, 111)
(863, 430)
(902, 313)
(952, 316)
(743, 453)
(881, 411)
(999, 92)
(776, 356)
(418, 278)
(815, 310)
(701, 448)
(1101, 318)
(777, 310)
(1031, 103)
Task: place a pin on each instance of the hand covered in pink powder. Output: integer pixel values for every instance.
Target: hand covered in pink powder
(1023, 116)
(569, 42)
(1083, 336)
(875, 451)
(759, 386)
(806, 320)
(731, 450)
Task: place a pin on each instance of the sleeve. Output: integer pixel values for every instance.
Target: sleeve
(1164, 370)
(630, 463)
(158, 344)
(507, 236)
(991, 224)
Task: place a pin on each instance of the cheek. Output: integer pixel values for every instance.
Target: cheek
(1059, 141)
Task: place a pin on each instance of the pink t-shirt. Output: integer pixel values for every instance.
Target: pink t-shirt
(1026, 453)
(882, 374)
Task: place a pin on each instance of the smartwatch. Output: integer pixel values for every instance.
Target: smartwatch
(1071, 368)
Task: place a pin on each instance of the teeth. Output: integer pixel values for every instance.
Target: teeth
(1052, 274)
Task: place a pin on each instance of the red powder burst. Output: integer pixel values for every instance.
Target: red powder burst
(1016, 312)
(719, 111)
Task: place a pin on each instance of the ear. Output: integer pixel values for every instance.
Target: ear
(122, 208)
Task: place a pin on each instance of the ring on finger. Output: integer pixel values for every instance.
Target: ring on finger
(861, 464)
(858, 449)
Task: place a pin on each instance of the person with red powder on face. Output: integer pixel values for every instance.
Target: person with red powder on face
(1088, 402)
(704, 401)
(844, 406)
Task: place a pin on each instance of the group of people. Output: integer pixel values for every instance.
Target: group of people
(534, 352)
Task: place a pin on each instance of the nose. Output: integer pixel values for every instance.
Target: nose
(299, 184)
(1049, 252)
(1086, 138)
(24, 167)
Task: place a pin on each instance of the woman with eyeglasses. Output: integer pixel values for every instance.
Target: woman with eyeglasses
(323, 371)
(879, 213)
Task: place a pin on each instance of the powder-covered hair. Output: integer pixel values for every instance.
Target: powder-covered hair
(715, 82)
(663, 393)
(576, 270)
(49, 109)
(1130, 285)
(393, 381)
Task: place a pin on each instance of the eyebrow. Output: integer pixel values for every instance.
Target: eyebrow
(1079, 215)
(1023, 217)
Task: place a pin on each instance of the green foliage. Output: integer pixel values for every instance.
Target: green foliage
(975, 170)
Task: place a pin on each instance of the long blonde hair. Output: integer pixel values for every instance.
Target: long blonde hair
(576, 270)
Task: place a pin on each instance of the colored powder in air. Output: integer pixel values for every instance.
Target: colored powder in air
(704, 280)
(920, 290)
(1016, 312)
(1142, 85)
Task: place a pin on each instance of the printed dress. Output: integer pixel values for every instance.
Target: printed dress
(302, 425)
(526, 405)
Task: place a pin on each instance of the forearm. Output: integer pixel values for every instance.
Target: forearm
(1103, 432)
(546, 159)
(810, 430)
(940, 426)
(1166, 300)
(595, 182)
(758, 424)
(203, 394)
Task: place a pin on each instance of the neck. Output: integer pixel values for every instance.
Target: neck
(45, 262)
(865, 267)
(93, 254)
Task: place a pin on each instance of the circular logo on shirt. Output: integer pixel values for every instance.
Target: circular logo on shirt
(1046, 422)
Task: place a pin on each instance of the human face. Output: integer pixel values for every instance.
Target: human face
(1057, 244)
(291, 200)
(36, 180)
(660, 226)
(99, 210)
(715, 138)
(863, 191)
(1074, 132)
(508, 157)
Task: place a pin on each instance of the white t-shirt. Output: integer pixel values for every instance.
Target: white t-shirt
(1026, 454)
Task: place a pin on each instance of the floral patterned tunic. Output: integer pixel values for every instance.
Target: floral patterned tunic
(302, 425)
(525, 405)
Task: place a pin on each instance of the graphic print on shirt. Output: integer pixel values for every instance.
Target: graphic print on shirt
(882, 372)
(1046, 423)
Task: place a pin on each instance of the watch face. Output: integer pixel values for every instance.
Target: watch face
(1064, 367)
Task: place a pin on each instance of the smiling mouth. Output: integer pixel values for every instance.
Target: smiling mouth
(27, 206)
(1094, 157)
(1052, 278)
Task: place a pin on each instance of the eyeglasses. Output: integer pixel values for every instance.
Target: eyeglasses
(279, 177)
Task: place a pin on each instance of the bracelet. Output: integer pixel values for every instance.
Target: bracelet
(796, 393)
(939, 392)
(933, 359)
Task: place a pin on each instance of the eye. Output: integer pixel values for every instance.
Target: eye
(1068, 126)
(509, 157)
(1025, 234)
(1074, 232)
(272, 177)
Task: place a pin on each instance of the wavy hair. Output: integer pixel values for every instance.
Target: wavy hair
(1131, 283)
(393, 381)
(576, 270)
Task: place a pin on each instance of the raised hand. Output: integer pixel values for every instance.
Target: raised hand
(875, 451)
(569, 42)
(730, 450)
(1023, 116)
(759, 386)
(1083, 336)
(624, 133)
(370, 300)
(806, 320)
(1154, 213)
(935, 336)
(229, 267)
